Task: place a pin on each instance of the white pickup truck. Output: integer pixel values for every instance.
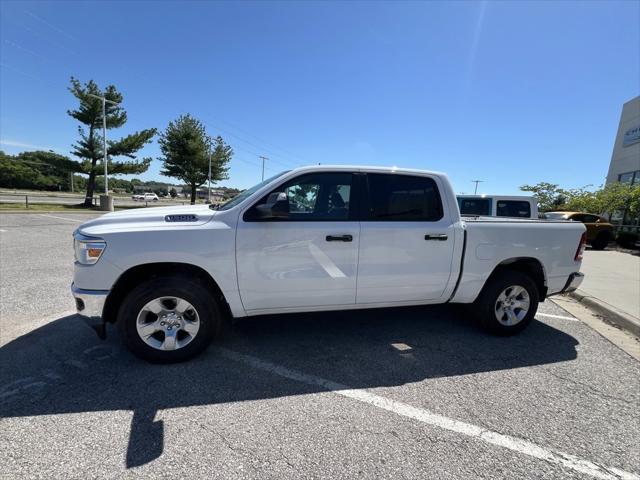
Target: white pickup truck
(310, 239)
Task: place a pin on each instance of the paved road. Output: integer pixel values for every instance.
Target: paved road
(614, 278)
(74, 200)
(395, 393)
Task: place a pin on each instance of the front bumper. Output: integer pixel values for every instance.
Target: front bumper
(573, 282)
(89, 305)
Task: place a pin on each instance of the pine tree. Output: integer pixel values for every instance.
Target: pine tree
(89, 147)
(186, 149)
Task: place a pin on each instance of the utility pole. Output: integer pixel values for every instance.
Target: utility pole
(263, 158)
(71, 174)
(210, 157)
(104, 136)
(476, 182)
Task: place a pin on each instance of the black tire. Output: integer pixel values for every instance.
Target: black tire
(486, 302)
(187, 288)
(601, 241)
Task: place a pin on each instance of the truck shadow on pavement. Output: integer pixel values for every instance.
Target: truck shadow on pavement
(63, 368)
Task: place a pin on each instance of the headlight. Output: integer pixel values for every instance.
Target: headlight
(87, 249)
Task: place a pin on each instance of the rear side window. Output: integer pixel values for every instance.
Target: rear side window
(475, 206)
(402, 198)
(513, 208)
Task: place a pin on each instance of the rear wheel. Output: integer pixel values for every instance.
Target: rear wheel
(508, 303)
(601, 241)
(169, 319)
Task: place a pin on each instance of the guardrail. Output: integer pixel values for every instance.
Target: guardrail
(27, 199)
(627, 228)
(33, 198)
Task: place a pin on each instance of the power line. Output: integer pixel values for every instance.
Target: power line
(286, 163)
(288, 153)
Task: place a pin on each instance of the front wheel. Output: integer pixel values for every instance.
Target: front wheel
(169, 319)
(508, 303)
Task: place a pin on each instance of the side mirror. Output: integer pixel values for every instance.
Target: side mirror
(276, 206)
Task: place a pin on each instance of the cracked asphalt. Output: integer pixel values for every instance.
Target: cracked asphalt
(302, 396)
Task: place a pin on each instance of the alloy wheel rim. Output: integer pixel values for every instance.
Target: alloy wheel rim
(512, 305)
(168, 323)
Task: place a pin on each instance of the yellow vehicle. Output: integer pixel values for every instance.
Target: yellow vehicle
(599, 230)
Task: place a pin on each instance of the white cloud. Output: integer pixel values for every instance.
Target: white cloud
(28, 146)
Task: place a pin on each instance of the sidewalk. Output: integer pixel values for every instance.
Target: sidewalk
(612, 287)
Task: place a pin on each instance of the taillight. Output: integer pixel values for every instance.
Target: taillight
(581, 247)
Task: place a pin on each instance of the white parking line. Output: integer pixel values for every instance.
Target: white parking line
(561, 317)
(515, 444)
(61, 218)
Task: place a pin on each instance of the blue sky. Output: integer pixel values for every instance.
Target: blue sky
(506, 92)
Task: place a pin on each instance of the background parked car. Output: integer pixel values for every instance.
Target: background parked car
(145, 197)
(599, 230)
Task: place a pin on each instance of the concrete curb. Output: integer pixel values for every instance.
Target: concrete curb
(611, 314)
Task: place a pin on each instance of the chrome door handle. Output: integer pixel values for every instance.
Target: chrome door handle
(440, 236)
(339, 238)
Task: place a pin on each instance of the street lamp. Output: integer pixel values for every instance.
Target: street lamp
(210, 158)
(104, 136)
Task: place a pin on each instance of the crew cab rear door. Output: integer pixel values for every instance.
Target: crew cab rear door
(406, 241)
(309, 258)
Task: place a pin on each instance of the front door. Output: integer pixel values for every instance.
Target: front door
(308, 259)
(406, 240)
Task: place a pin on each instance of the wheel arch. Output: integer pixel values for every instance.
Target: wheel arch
(530, 266)
(133, 276)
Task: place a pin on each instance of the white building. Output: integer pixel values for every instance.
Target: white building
(625, 160)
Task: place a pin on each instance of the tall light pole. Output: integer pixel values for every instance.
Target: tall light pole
(210, 156)
(263, 158)
(104, 136)
(476, 182)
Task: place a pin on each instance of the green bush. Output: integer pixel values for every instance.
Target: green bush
(627, 239)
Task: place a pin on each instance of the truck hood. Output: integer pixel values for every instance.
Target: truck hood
(151, 218)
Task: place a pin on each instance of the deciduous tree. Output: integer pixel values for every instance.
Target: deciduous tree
(549, 195)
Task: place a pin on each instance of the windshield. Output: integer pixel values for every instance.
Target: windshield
(555, 216)
(248, 192)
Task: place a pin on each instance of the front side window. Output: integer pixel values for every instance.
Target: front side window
(248, 192)
(475, 206)
(513, 208)
(394, 197)
(314, 197)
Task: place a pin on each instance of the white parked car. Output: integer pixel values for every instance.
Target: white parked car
(145, 197)
(516, 206)
(310, 239)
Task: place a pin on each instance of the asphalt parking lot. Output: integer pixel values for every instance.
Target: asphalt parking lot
(394, 393)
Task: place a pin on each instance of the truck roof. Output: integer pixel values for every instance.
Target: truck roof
(369, 168)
